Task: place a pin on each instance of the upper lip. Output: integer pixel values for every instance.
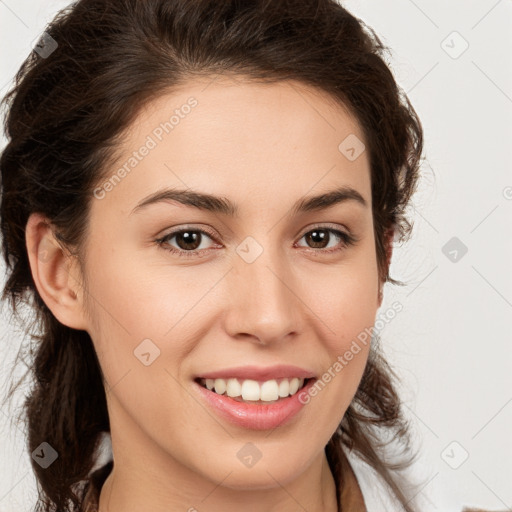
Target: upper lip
(260, 373)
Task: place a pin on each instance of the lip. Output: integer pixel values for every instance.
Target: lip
(259, 373)
(255, 416)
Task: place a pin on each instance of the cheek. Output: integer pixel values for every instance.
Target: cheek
(147, 306)
(136, 298)
(346, 302)
(345, 298)
(350, 316)
(141, 318)
(128, 308)
(351, 310)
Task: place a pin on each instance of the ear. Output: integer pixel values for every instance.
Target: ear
(388, 243)
(55, 273)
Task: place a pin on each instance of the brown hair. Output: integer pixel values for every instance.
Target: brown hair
(65, 115)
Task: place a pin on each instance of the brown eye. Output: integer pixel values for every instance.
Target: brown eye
(188, 242)
(320, 238)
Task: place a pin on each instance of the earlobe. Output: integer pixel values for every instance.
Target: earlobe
(54, 272)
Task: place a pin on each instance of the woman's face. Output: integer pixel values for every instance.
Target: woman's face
(269, 284)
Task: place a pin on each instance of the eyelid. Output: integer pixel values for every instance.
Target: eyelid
(323, 225)
(190, 227)
(161, 240)
(213, 234)
(347, 238)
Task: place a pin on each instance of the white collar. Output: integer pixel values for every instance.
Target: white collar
(378, 497)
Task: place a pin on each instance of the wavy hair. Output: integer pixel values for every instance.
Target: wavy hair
(65, 114)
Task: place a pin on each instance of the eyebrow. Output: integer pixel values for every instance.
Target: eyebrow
(223, 205)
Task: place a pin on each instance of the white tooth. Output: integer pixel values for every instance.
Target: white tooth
(250, 390)
(284, 388)
(220, 386)
(269, 391)
(233, 388)
(294, 385)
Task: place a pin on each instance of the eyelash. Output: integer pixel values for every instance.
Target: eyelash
(347, 240)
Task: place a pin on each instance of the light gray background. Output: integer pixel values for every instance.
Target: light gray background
(451, 344)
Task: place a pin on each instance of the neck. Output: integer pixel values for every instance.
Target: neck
(314, 490)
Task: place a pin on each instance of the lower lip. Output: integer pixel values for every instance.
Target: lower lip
(256, 416)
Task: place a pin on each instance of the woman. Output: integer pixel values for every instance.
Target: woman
(199, 201)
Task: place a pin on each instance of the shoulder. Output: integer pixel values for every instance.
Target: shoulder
(424, 491)
(376, 494)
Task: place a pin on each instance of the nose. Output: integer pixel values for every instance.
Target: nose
(263, 304)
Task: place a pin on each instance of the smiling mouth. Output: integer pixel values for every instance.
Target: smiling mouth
(228, 391)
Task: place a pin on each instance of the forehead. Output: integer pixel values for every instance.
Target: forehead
(242, 139)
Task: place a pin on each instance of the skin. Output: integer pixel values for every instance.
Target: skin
(263, 147)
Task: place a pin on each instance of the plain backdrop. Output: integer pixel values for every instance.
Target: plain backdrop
(451, 344)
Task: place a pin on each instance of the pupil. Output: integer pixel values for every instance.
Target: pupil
(185, 238)
(321, 236)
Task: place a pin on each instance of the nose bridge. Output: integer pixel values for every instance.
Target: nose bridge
(263, 303)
